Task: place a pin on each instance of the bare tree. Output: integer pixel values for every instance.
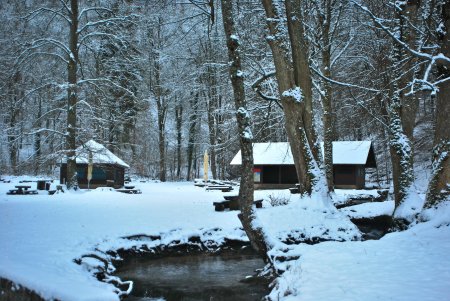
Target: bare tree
(245, 133)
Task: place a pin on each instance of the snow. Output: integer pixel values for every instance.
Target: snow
(409, 265)
(279, 153)
(411, 206)
(340, 196)
(312, 219)
(294, 93)
(100, 154)
(268, 153)
(42, 235)
(368, 210)
(350, 152)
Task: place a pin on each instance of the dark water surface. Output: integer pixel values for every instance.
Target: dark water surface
(195, 277)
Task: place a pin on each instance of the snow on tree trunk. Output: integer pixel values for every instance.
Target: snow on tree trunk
(246, 190)
(72, 98)
(438, 188)
(400, 145)
(325, 21)
(295, 88)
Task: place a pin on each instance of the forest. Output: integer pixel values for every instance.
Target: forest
(153, 81)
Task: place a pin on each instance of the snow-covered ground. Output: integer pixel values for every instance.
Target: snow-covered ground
(410, 265)
(41, 235)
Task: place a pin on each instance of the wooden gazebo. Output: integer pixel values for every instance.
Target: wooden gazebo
(108, 169)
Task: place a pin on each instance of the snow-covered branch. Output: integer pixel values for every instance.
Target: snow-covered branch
(348, 85)
(95, 9)
(434, 58)
(42, 10)
(105, 22)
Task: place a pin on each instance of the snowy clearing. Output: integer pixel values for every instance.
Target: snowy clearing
(42, 235)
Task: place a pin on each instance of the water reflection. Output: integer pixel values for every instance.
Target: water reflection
(195, 277)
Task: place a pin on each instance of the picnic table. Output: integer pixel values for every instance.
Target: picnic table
(22, 189)
(232, 203)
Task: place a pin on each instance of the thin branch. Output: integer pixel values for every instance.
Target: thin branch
(341, 83)
(40, 10)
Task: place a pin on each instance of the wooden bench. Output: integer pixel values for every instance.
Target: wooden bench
(295, 190)
(221, 206)
(13, 191)
(223, 188)
(21, 191)
(258, 203)
(233, 204)
(30, 191)
(129, 191)
(231, 197)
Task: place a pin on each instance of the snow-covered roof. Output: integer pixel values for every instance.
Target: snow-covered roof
(100, 154)
(350, 152)
(279, 153)
(268, 153)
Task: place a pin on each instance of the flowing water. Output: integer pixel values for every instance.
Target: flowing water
(195, 277)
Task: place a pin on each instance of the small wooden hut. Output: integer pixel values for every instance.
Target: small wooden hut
(108, 169)
(274, 166)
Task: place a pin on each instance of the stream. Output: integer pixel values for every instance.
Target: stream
(195, 277)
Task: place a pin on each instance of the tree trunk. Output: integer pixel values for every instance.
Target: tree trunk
(212, 132)
(211, 105)
(438, 188)
(71, 132)
(162, 110)
(410, 103)
(400, 144)
(179, 123)
(37, 138)
(327, 97)
(14, 112)
(193, 120)
(294, 85)
(247, 214)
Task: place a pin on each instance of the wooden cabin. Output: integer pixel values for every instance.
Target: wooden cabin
(108, 169)
(274, 166)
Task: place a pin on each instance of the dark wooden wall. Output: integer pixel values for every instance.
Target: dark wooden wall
(113, 174)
